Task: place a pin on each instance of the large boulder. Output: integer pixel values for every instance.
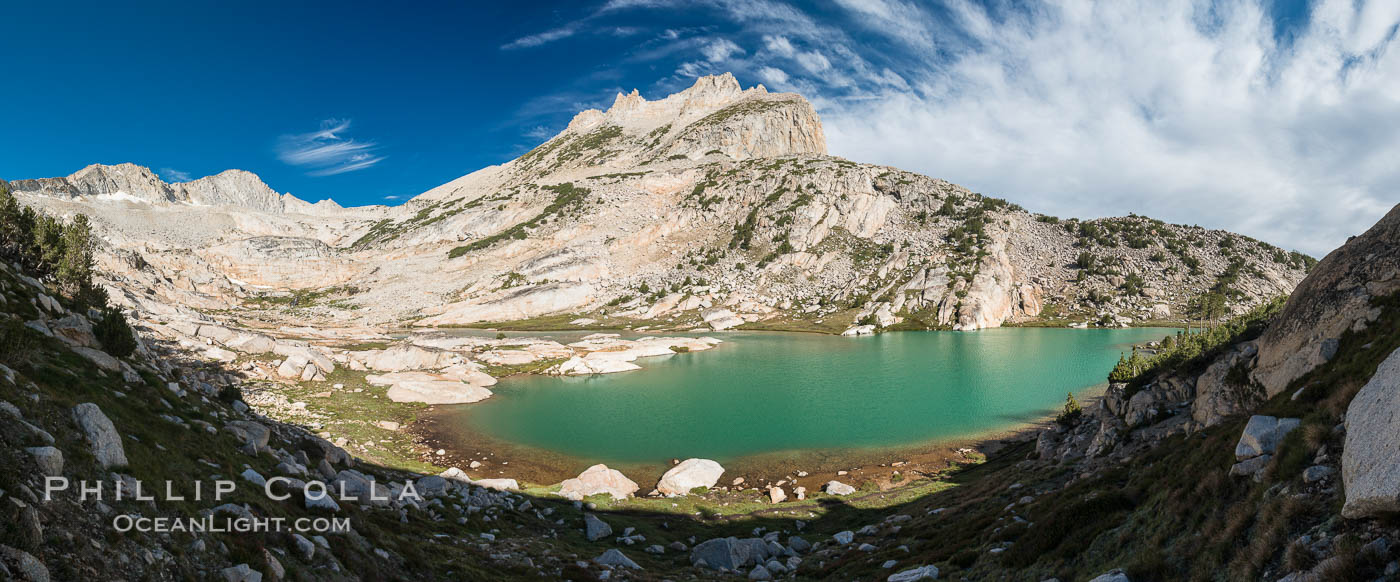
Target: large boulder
(1112, 576)
(614, 558)
(250, 432)
(305, 354)
(294, 366)
(729, 553)
(430, 388)
(594, 528)
(100, 358)
(915, 574)
(106, 442)
(689, 474)
(251, 343)
(49, 460)
(406, 357)
(596, 480)
(352, 484)
(1336, 296)
(839, 488)
(22, 564)
(1371, 455)
(74, 330)
(498, 484)
(1262, 436)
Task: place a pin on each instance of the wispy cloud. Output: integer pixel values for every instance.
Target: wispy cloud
(543, 38)
(1090, 109)
(540, 132)
(327, 151)
(172, 175)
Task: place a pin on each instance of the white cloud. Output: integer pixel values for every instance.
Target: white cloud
(172, 175)
(543, 38)
(719, 50)
(1092, 109)
(326, 152)
(540, 132)
(773, 76)
(902, 21)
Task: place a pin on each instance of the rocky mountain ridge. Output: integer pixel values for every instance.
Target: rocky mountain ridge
(715, 204)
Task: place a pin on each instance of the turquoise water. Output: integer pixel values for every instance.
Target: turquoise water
(766, 392)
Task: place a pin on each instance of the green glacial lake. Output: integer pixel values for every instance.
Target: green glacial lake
(769, 392)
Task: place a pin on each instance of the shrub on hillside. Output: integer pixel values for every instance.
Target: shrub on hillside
(16, 340)
(114, 333)
(1071, 412)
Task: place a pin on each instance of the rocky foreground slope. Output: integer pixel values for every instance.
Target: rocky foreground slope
(713, 208)
(1300, 485)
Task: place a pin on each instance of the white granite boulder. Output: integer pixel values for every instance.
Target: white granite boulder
(689, 474)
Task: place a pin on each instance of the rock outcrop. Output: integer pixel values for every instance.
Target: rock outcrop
(1371, 456)
(1336, 296)
(101, 435)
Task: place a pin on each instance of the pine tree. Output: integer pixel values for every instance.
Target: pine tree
(74, 269)
(114, 333)
(1071, 412)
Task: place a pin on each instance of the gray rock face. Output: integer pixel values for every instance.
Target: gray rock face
(594, 528)
(616, 559)
(26, 566)
(1112, 576)
(1262, 435)
(74, 330)
(1250, 467)
(1371, 454)
(241, 573)
(1317, 473)
(1335, 297)
(49, 460)
(101, 435)
(1217, 398)
(730, 553)
(352, 484)
(914, 574)
(431, 485)
(839, 488)
(249, 432)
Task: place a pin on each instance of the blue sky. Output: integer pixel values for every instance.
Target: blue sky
(1278, 119)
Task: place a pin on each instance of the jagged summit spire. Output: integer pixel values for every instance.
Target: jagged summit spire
(707, 94)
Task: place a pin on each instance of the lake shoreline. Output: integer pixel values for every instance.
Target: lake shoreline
(884, 466)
